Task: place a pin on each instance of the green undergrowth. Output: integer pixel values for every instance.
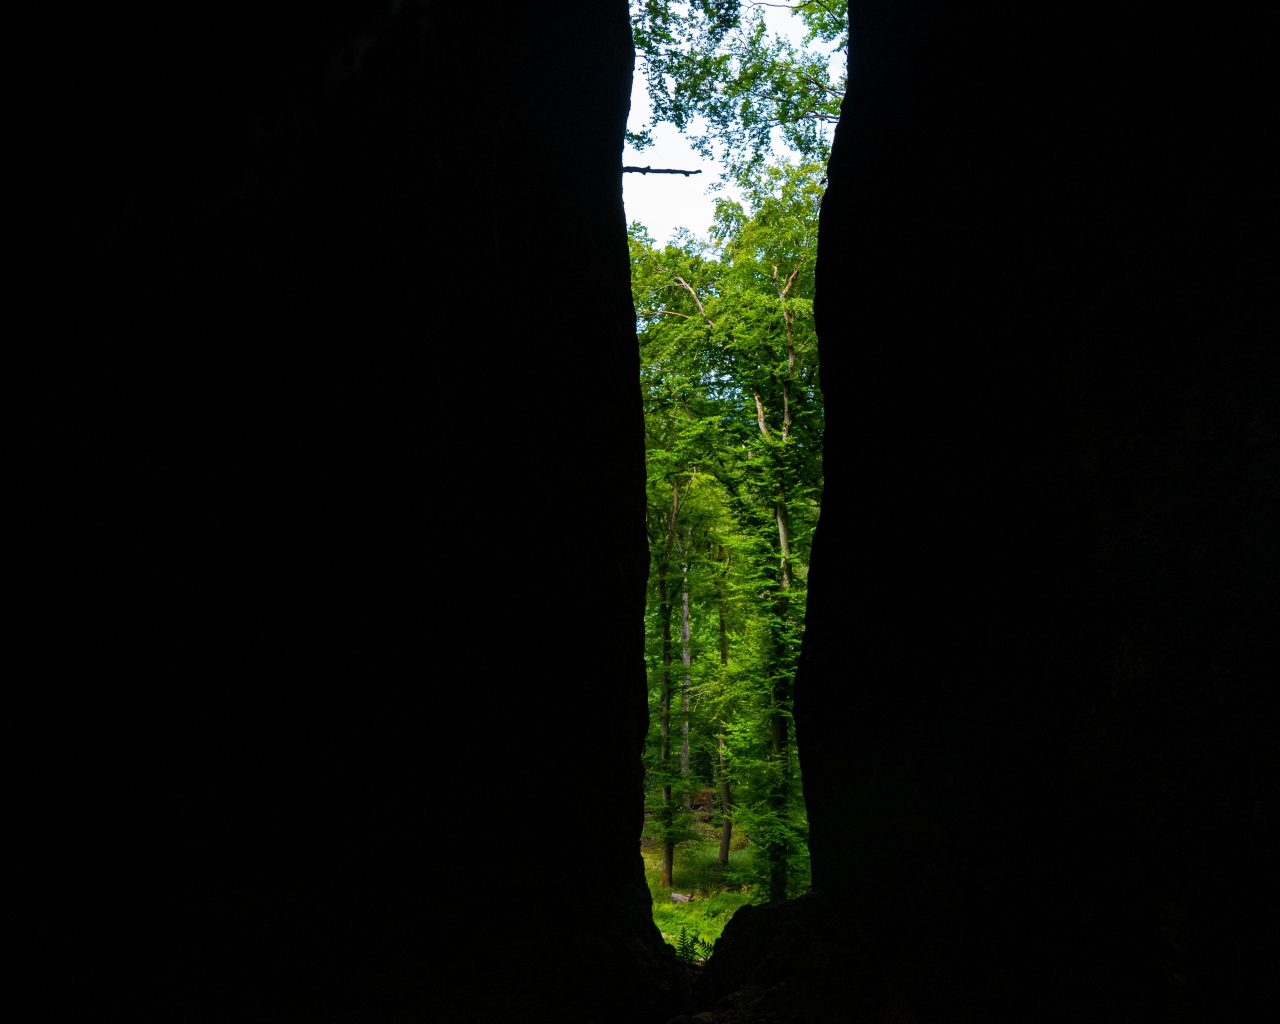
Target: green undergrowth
(717, 892)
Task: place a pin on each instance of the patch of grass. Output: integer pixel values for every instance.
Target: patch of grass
(717, 891)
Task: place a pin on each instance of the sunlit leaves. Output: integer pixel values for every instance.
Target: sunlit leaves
(733, 431)
(714, 70)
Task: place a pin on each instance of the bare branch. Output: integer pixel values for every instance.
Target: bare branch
(760, 420)
(814, 116)
(657, 170)
(821, 85)
(792, 279)
(697, 301)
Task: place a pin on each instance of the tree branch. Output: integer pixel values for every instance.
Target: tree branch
(697, 301)
(760, 420)
(657, 170)
(790, 280)
(821, 85)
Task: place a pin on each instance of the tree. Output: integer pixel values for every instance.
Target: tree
(733, 416)
(714, 70)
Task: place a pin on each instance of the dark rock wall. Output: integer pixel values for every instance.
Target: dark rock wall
(1034, 707)
(337, 700)
(347, 571)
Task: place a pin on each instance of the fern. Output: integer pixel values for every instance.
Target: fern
(692, 949)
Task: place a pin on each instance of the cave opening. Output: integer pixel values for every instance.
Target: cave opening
(338, 577)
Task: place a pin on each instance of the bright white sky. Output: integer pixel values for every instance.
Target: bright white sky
(664, 202)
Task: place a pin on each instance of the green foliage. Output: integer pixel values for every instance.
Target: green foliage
(713, 69)
(718, 892)
(692, 949)
(666, 823)
(733, 426)
(767, 827)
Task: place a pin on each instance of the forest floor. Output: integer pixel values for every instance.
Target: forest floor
(715, 891)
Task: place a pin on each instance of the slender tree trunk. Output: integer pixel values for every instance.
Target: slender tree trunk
(726, 805)
(784, 535)
(789, 322)
(664, 703)
(779, 742)
(686, 662)
(664, 725)
(779, 796)
(779, 721)
(726, 812)
(784, 526)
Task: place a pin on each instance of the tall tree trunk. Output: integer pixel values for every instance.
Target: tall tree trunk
(777, 851)
(780, 795)
(664, 725)
(726, 811)
(784, 535)
(784, 526)
(686, 662)
(780, 719)
(664, 714)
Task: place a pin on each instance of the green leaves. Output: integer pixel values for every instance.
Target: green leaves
(716, 72)
(692, 949)
(733, 430)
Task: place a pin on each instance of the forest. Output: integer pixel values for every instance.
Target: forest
(733, 441)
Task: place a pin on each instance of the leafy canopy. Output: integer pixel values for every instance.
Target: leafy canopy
(715, 71)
